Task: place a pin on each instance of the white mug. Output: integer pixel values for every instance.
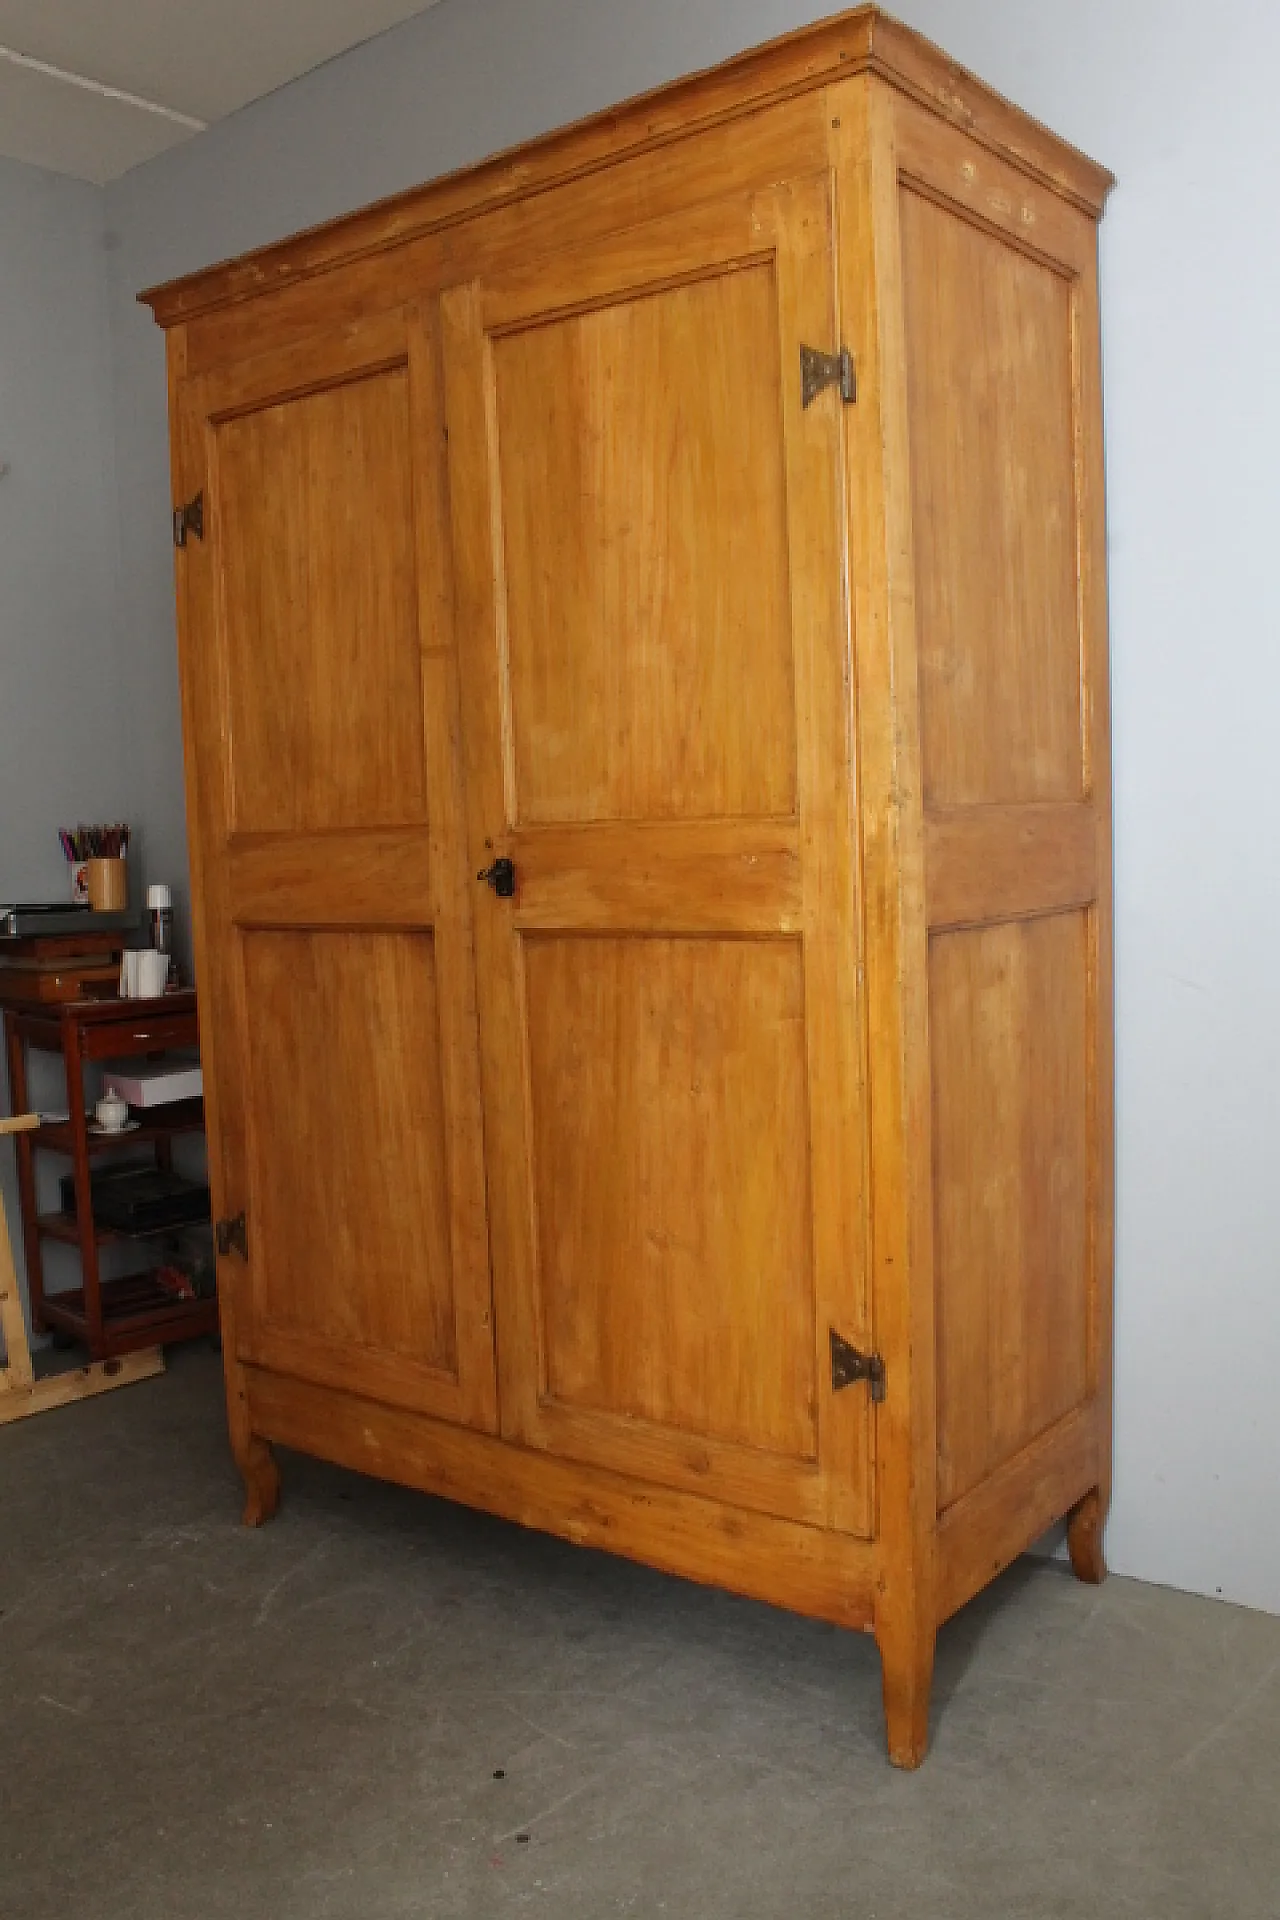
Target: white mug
(144, 973)
(153, 973)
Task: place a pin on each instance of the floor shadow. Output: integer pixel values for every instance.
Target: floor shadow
(960, 1638)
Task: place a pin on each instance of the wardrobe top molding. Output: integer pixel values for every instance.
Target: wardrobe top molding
(862, 41)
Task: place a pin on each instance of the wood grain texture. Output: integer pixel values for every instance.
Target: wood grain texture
(365, 878)
(671, 1184)
(885, 700)
(790, 141)
(989, 353)
(677, 876)
(793, 722)
(998, 863)
(825, 1574)
(343, 1059)
(802, 218)
(1009, 1021)
(1014, 730)
(646, 556)
(349, 347)
(1008, 1512)
(1093, 605)
(452, 883)
(208, 822)
(344, 1052)
(988, 191)
(204, 776)
(1085, 1528)
(862, 41)
(315, 532)
(19, 1400)
(655, 656)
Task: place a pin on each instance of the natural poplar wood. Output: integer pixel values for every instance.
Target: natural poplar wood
(990, 1526)
(862, 41)
(792, 721)
(327, 802)
(631, 558)
(886, 708)
(1084, 1539)
(1001, 863)
(1009, 1024)
(818, 1571)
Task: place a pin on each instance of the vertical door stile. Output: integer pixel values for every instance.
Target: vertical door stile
(477, 585)
(446, 854)
(821, 621)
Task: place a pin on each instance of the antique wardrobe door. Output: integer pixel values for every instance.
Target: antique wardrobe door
(654, 647)
(338, 993)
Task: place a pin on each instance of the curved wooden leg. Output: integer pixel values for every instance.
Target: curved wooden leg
(1084, 1539)
(257, 1463)
(906, 1665)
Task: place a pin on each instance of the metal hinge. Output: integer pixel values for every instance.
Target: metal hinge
(818, 371)
(849, 1366)
(230, 1236)
(189, 519)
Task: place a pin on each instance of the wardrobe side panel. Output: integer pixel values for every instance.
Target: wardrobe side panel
(995, 296)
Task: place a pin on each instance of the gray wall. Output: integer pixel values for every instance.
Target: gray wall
(63, 714)
(1182, 110)
(65, 721)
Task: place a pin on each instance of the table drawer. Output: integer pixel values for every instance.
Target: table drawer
(138, 1033)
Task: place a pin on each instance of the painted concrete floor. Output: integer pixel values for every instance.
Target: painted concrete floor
(382, 1706)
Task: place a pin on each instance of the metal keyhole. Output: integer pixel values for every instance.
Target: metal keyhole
(501, 876)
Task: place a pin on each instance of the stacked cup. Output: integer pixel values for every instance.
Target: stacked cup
(144, 974)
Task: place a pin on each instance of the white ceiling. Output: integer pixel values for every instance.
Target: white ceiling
(93, 87)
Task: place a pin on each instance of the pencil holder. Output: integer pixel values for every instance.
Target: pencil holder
(108, 885)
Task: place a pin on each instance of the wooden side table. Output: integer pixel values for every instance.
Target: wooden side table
(109, 1317)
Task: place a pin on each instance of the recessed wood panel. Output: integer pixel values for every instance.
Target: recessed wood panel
(319, 601)
(349, 1211)
(1009, 1026)
(641, 488)
(1001, 863)
(671, 1181)
(990, 386)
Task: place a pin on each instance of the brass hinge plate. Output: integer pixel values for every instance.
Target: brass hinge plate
(189, 519)
(818, 371)
(848, 1366)
(231, 1236)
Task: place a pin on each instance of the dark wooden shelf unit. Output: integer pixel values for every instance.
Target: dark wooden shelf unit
(109, 1316)
(136, 1312)
(184, 1116)
(65, 1226)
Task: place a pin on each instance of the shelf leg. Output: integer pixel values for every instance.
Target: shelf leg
(28, 1208)
(90, 1274)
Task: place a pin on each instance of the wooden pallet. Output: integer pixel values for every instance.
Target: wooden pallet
(20, 1392)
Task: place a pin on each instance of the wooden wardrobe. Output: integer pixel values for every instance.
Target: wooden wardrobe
(643, 633)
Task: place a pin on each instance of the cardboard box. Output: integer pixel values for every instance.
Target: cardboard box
(145, 1086)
